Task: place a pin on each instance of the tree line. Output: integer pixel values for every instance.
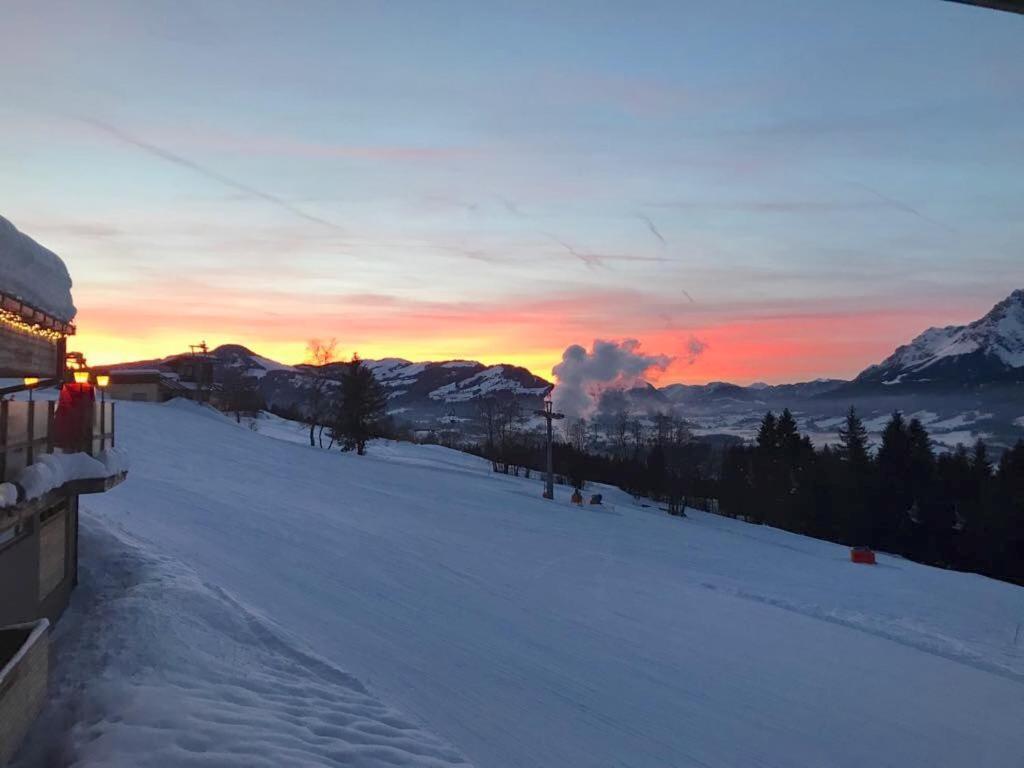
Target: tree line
(955, 509)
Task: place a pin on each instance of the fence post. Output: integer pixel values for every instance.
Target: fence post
(50, 408)
(3, 440)
(30, 449)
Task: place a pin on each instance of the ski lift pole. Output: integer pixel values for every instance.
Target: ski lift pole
(549, 416)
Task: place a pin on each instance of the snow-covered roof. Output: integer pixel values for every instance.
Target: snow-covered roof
(34, 274)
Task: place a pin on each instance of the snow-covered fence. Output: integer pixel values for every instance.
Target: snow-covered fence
(26, 433)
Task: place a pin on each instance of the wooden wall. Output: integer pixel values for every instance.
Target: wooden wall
(39, 567)
(23, 354)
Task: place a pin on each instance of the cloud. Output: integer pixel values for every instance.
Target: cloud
(694, 349)
(583, 376)
(208, 173)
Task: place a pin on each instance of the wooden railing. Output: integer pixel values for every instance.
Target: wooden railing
(26, 432)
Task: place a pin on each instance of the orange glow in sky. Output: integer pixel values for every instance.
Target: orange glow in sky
(768, 347)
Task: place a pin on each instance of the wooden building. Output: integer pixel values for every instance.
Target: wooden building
(38, 518)
(145, 385)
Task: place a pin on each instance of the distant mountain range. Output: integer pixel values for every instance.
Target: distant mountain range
(963, 381)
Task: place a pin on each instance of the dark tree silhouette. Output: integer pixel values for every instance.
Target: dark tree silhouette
(362, 404)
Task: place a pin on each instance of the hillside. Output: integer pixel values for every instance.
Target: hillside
(284, 592)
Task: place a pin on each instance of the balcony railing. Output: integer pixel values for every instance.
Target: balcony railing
(26, 432)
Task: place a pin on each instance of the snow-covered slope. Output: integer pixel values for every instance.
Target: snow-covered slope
(523, 632)
(989, 349)
(485, 383)
(34, 274)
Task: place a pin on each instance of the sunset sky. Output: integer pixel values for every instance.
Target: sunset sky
(767, 191)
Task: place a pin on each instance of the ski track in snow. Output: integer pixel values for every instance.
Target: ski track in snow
(529, 633)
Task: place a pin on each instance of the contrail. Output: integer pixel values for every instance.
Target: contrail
(208, 173)
(687, 295)
(651, 226)
(900, 205)
(512, 207)
(598, 259)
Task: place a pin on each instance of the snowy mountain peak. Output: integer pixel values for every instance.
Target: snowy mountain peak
(990, 348)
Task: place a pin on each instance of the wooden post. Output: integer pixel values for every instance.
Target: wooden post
(3, 440)
(51, 406)
(30, 449)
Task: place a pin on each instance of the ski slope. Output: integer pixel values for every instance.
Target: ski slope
(457, 616)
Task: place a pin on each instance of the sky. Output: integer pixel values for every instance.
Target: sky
(771, 191)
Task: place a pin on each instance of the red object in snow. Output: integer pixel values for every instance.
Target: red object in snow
(862, 555)
(72, 422)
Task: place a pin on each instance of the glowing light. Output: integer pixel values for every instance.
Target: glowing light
(81, 377)
(31, 381)
(102, 380)
(18, 323)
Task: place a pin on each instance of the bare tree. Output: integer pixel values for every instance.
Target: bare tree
(488, 412)
(577, 433)
(620, 433)
(662, 429)
(508, 423)
(319, 354)
(636, 431)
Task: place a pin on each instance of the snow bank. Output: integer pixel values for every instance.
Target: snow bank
(153, 667)
(52, 470)
(34, 274)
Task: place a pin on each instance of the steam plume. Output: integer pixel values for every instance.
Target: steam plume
(582, 376)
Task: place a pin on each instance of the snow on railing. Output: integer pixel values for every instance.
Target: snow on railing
(53, 470)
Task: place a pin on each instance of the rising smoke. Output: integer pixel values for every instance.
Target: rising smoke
(694, 348)
(582, 377)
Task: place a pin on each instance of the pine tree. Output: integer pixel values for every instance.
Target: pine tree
(787, 436)
(768, 481)
(895, 500)
(767, 437)
(853, 440)
(981, 465)
(362, 404)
